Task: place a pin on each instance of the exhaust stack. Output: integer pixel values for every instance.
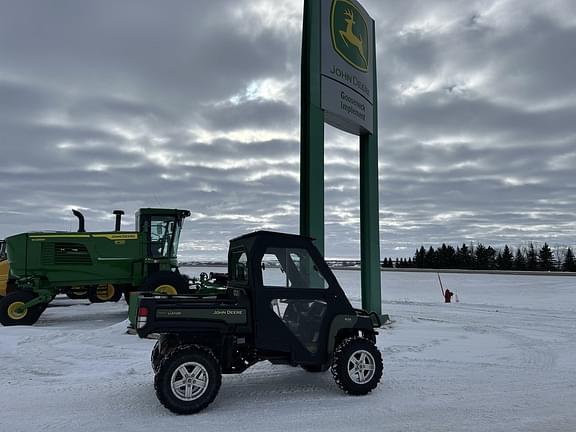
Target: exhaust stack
(81, 223)
(118, 214)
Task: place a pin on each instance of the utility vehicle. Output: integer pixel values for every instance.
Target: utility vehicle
(101, 265)
(281, 303)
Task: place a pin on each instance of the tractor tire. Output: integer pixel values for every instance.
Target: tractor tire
(13, 312)
(188, 379)
(357, 366)
(165, 282)
(104, 293)
(77, 293)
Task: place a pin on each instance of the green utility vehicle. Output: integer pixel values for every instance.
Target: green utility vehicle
(105, 264)
(282, 303)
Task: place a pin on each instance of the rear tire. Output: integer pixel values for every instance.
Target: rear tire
(188, 379)
(13, 312)
(357, 366)
(165, 282)
(77, 293)
(104, 293)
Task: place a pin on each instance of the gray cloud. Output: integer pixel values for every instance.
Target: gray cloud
(126, 104)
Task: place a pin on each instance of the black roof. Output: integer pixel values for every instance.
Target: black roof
(269, 234)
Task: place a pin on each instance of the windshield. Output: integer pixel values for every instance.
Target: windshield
(164, 236)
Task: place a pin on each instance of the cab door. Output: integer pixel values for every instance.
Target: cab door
(293, 303)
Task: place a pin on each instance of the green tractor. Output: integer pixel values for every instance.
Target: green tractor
(104, 265)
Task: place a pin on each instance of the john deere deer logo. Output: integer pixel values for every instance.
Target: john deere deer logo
(349, 34)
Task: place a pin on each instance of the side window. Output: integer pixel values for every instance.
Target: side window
(273, 273)
(238, 266)
(291, 268)
(161, 235)
(303, 318)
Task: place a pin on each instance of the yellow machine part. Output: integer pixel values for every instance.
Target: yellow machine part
(4, 270)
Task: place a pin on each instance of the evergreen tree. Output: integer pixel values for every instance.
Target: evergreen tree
(505, 259)
(430, 259)
(419, 257)
(481, 261)
(519, 261)
(531, 258)
(569, 264)
(499, 260)
(546, 259)
(463, 257)
(491, 258)
(441, 256)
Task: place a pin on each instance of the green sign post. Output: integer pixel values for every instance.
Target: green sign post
(339, 88)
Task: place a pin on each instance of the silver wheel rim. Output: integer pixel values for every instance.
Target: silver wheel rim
(189, 381)
(361, 367)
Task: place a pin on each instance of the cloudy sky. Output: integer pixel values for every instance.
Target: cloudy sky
(195, 104)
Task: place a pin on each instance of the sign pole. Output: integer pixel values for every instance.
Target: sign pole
(311, 131)
(370, 210)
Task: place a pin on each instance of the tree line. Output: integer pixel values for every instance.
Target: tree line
(481, 257)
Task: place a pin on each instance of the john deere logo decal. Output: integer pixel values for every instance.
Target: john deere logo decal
(349, 34)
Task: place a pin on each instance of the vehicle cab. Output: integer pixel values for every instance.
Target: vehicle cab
(161, 229)
(295, 295)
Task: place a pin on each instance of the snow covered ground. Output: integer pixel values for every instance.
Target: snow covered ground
(503, 359)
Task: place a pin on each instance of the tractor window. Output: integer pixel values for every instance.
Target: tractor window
(238, 266)
(291, 268)
(163, 234)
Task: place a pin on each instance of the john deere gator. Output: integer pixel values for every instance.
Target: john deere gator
(105, 264)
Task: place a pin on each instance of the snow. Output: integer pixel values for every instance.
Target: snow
(503, 359)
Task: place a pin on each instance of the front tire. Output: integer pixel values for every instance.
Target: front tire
(357, 366)
(165, 282)
(14, 312)
(188, 380)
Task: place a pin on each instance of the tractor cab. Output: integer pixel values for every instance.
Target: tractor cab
(161, 228)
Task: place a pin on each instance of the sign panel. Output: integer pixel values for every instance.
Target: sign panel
(347, 66)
